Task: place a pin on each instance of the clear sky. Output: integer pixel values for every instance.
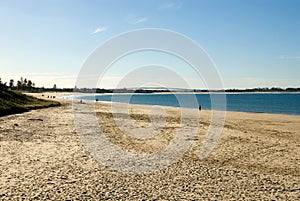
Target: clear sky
(254, 43)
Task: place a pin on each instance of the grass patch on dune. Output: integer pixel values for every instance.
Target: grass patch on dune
(13, 102)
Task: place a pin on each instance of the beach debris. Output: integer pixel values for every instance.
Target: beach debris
(35, 119)
(16, 124)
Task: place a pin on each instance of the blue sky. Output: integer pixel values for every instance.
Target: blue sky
(254, 43)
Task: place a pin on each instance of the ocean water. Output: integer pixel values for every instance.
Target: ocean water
(278, 103)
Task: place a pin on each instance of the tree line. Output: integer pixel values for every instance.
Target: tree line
(22, 84)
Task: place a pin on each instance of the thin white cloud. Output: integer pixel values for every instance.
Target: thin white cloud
(99, 30)
(139, 20)
(170, 6)
(131, 19)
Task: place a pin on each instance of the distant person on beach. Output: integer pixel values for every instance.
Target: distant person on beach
(200, 107)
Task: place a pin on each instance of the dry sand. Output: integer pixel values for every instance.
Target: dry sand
(257, 158)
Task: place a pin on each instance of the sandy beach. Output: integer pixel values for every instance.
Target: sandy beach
(42, 157)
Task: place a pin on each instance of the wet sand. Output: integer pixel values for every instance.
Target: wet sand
(256, 158)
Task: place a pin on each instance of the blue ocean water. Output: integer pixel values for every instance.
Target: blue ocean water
(281, 103)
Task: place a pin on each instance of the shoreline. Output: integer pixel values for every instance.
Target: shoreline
(65, 96)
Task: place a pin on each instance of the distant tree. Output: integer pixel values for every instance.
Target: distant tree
(25, 83)
(19, 84)
(29, 84)
(2, 85)
(11, 83)
(22, 81)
